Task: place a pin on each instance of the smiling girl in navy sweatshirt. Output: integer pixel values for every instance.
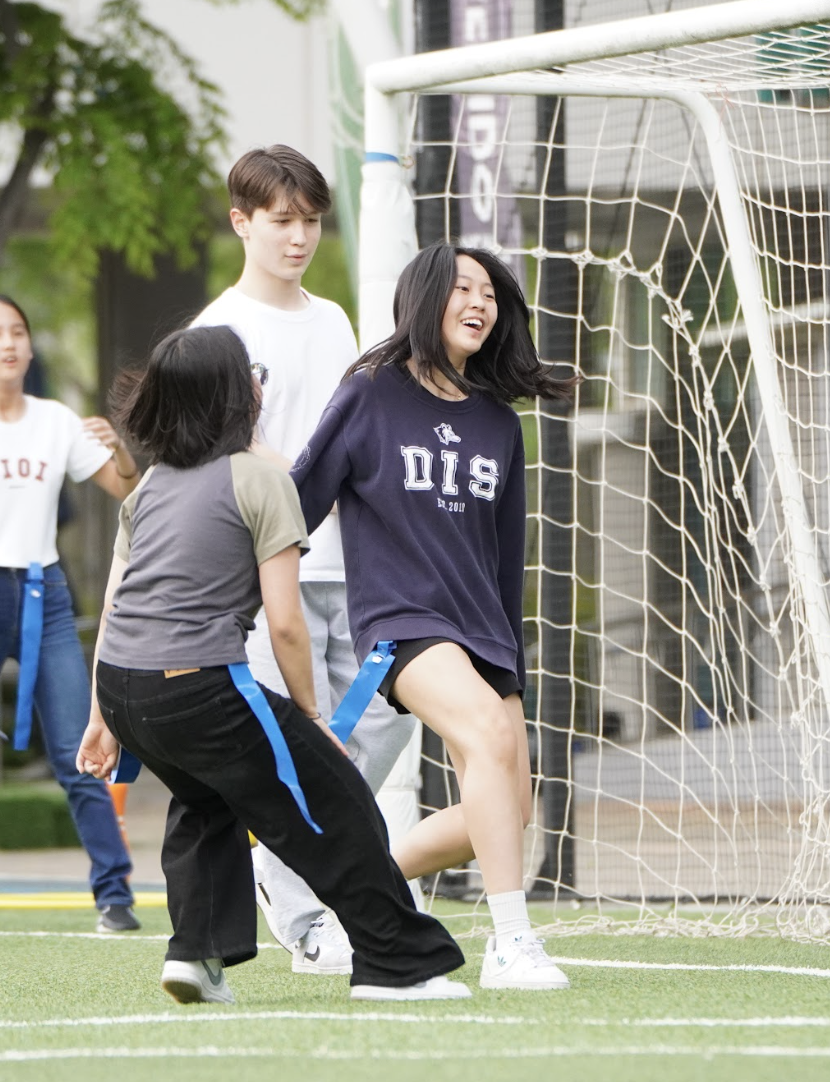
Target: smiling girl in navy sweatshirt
(423, 453)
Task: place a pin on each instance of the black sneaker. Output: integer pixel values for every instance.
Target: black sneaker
(117, 918)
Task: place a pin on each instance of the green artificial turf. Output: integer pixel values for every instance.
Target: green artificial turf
(107, 1018)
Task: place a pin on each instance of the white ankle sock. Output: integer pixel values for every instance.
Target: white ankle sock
(510, 919)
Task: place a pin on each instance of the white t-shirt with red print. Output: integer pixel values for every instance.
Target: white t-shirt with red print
(36, 453)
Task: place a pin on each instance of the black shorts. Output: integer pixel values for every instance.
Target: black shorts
(502, 681)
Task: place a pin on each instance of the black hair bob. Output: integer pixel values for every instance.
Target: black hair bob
(195, 402)
(507, 366)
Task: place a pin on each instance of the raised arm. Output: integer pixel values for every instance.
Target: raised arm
(119, 476)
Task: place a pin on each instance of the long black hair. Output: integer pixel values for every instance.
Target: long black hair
(195, 401)
(506, 367)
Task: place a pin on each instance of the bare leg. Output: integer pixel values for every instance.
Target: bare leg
(487, 743)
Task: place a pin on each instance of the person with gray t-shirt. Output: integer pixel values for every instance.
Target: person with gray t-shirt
(212, 532)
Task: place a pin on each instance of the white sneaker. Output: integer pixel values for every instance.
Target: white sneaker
(434, 988)
(524, 965)
(196, 982)
(324, 949)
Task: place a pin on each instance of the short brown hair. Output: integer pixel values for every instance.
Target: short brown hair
(260, 174)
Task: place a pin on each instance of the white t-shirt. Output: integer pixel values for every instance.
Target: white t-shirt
(306, 354)
(36, 453)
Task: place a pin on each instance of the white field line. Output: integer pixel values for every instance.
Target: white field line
(786, 1021)
(177, 1018)
(594, 963)
(254, 1016)
(324, 1053)
(604, 963)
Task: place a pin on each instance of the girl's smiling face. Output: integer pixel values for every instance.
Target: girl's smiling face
(471, 312)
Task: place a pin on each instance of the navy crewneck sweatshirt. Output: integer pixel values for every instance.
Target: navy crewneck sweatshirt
(431, 495)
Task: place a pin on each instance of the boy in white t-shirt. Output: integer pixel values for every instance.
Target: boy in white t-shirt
(306, 343)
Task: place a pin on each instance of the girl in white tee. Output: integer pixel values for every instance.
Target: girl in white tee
(41, 442)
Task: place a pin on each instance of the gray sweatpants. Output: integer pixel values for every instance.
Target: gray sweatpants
(374, 746)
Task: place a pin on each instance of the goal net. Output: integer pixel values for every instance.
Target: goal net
(661, 187)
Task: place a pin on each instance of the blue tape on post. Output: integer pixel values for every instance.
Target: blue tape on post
(31, 632)
(379, 156)
(363, 688)
(250, 690)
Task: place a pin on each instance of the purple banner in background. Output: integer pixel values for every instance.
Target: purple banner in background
(488, 211)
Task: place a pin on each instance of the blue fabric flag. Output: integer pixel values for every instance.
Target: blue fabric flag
(365, 684)
(127, 768)
(286, 771)
(31, 632)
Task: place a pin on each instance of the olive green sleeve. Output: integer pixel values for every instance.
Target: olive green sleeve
(124, 537)
(269, 505)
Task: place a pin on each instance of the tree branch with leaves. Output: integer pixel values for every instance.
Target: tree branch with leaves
(131, 161)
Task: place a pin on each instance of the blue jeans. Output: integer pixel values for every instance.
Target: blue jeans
(62, 698)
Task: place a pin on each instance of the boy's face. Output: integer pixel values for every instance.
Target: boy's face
(280, 241)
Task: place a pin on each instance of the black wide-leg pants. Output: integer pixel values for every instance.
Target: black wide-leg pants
(199, 736)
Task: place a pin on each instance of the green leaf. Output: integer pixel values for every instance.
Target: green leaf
(131, 130)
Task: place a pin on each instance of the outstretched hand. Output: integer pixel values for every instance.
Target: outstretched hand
(98, 752)
(102, 430)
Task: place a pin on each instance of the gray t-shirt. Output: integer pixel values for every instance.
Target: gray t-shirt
(194, 540)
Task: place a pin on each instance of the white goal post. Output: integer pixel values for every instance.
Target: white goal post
(685, 163)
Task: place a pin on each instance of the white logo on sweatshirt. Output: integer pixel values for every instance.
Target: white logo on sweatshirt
(446, 435)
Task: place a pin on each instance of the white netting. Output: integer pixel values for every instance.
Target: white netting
(680, 734)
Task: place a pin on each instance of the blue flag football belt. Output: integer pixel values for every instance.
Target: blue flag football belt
(31, 633)
(365, 684)
(347, 715)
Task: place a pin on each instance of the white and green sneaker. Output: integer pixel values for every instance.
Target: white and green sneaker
(523, 964)
(196, 982)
